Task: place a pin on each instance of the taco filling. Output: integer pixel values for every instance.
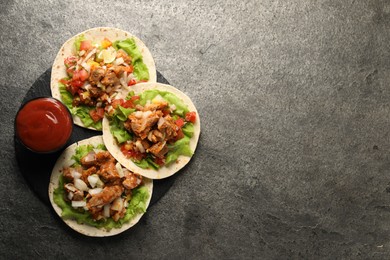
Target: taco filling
(95, 73)
(152, 129)
(98, 191)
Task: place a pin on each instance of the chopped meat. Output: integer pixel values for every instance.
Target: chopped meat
(159, 149)
(118, 70)
(103, 157)
(110, 78)
(108, 172)
(155, 136)
(96, 212)
(108, 194)
(142, 124)
(131, 180)
(77, 194)
(96, 75)
(68, 173)
(122, 54)
(155, 106)
(95, 92)
(169, 128)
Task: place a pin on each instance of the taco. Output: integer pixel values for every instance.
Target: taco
(153, 129)
(93, 193)
(92, 66)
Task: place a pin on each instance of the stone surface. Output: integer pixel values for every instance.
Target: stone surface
(293, 159)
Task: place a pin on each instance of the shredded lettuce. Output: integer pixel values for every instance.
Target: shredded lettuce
(130, 47)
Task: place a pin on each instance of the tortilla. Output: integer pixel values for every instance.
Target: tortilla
(65, 160)
(96, 35)
(164, 171)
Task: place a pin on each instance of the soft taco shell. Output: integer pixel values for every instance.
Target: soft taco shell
(164, 171)
(95, 34)
(65, 160)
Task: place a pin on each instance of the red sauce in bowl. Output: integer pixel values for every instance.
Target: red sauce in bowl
(44, 125)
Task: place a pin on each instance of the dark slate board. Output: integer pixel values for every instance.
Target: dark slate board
(36, 168)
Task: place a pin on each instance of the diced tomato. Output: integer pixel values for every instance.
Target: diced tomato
(106, 43)
(132, 82)
(85, 45)
(131, 153)
(128, 104)
(97, 114)
(83, 74)
(76, 83)
(134, 98)
(70, 61)
(117, 102)
(179, 122)
(64, 81)
(144, 80)
(191, 117)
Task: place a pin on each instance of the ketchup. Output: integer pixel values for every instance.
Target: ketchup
(44, 124)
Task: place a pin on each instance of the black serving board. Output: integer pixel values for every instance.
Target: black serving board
(36, 168)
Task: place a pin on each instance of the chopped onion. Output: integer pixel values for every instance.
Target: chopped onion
(93, 179)
(81, 185)
(117, 204)
(106, 210)
(139, 146)
(95, 191)
(123, 79)
(146, 114)
(86, 66)
(160, 122)
(81, 53)
(118, 61)
(79, 204)
(70, 195)
(173, 107)
(70, 187)
(90, 157)
(89, 55)
(158, 99)
(118, 167)
(75, 174)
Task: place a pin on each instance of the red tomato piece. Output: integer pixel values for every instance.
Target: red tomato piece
(132, 82)
(128, 104)
(179, 122)
(180, 134)
(83, 74)
(191, 117)
(159, 161)
(97, 114)
(117, 102)
(85, 45)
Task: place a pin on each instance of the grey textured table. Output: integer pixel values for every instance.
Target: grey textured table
(294, 155)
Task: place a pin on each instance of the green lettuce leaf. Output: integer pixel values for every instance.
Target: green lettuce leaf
(188, 129)
(180, 147)
(130, 47)
(77, 42)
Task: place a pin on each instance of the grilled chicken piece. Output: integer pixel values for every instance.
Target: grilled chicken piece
(132, 180)
(122, 54)
(96, 76)
(77, 194)
(159, 149)
(69, 172)
(155, 136)
(142, 122)
(169, 128)
(155, 106)
(110, 79)
(108, 172)
(103, 157)
(108, 195)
